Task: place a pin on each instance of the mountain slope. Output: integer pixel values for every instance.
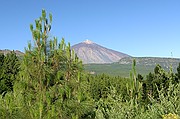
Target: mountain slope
(151, 61)
(144, 65)
(6, 51)
(90, 52)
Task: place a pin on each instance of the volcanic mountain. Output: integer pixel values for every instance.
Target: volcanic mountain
(90, 52)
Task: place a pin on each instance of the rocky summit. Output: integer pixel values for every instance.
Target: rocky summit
(92, 53)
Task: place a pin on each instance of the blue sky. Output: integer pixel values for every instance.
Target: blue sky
(136, 27)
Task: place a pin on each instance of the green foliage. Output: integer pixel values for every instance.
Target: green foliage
(100, 86)
(178, 74)
(116, 69)
(51, 76)
(158, 80)
(9, 68)
(134, 86)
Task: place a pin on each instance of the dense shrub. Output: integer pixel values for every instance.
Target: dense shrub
(9, 68)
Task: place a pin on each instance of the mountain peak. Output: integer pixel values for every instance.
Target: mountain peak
(88, 42)
(90, 52)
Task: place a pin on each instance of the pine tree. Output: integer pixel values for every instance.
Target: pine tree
(9, 68)
(134, 88)
(50, 74)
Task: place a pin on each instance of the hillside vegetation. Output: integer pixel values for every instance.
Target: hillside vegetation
(123, 67)
(116, 69)
(49, 83)
(151, 61)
